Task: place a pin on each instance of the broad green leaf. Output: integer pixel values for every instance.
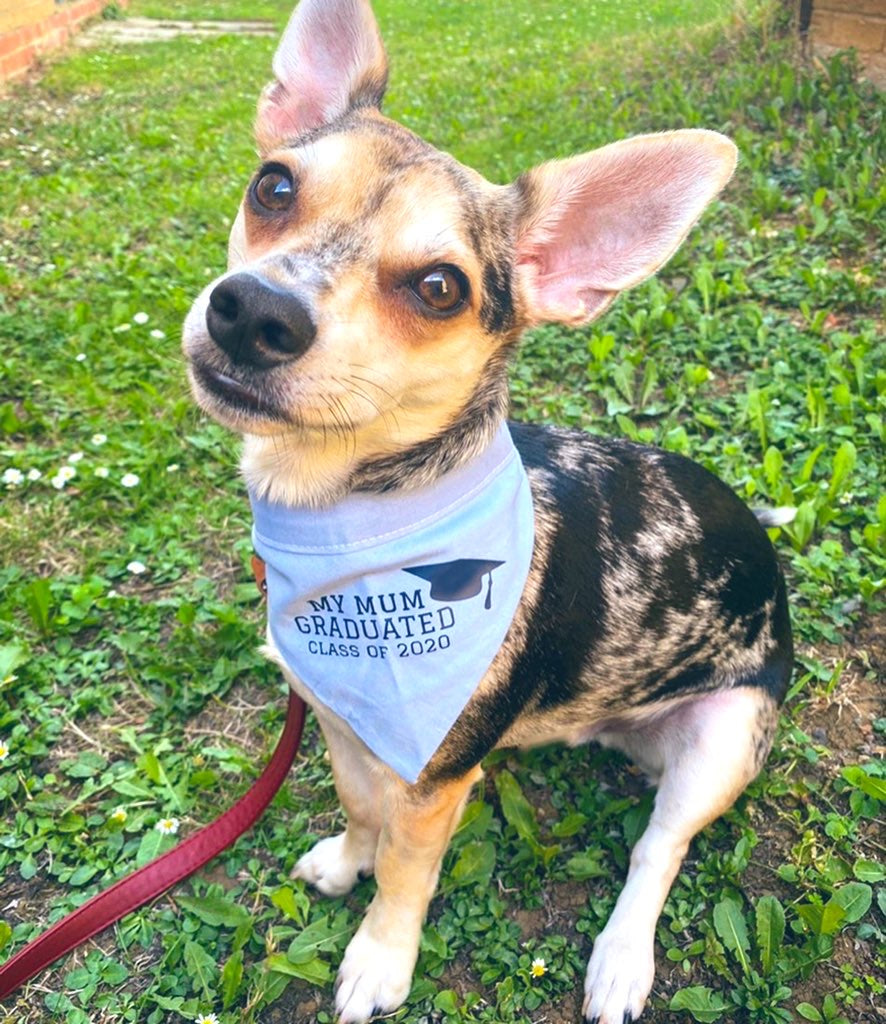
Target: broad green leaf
(322, 936)
(149, 763)
(475, 863)
(586, 865)
(571, 825)
(773, 464)
(314, 970)
(515, 807)
(38, 598)
(114, 973)
(844, 462)
(703, 1003)
(172, 1003)
(215, 910)
(433, 942)
(447, 1001)
(809, 465)
(231, 976)
(152, 844)
(83, 874)
(5, 934)
(78, 979)
(808, 1012)
(832, 917)
(870, 785)
(868, 870)
(729, 924)
(201, 968)
(125, 787)
(635, 820)
(770, 930)
(294, 905)
(803, 526)
(855, 898)
(11, 657)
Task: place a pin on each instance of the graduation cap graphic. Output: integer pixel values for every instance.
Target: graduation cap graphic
(458, 580)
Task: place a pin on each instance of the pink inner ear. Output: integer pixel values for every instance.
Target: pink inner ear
(603, 222)
(330, 57)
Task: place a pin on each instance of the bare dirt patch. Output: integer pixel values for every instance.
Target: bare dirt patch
(152, 30)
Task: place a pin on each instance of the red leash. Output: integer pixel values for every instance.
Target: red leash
(155, 878)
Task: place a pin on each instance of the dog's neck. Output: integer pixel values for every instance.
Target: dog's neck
(316, 468)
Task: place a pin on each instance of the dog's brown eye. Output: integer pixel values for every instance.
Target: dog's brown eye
(274, 191)
(443, 289)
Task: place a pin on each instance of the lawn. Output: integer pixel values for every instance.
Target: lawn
(131, 689)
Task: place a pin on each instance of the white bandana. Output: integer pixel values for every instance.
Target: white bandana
(391, 607)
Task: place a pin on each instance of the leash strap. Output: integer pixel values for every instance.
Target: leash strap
(152, 880)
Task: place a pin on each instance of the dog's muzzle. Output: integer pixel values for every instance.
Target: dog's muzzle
(257, 323)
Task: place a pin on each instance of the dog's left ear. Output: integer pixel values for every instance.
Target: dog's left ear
(330, 59)
(593, 225)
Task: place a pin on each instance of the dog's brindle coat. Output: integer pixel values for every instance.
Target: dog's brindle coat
(360, 342)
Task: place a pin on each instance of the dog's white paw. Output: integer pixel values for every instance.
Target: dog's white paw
(375, 977)
(619, 978)
(330, 867)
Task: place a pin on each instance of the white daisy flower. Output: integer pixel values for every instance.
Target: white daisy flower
(129, 480)
(168, 826)
(158, 334)
(75, 457)
(140, 318)
(102, 471)
(34, 474)
(12, 477)
(98, 439)
(137, 567)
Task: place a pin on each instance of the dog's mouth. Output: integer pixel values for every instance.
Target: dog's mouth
(234, 394)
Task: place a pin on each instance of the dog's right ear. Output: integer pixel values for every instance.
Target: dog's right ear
(330, 59)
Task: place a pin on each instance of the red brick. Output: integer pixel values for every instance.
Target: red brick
(54, 39)
(11, 42)
(37, 26)
(18, 62)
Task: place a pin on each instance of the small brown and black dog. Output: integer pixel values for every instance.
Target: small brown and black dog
(359, 342)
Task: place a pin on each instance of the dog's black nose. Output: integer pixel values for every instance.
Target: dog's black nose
(257, 323)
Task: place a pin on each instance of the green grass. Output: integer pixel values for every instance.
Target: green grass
(757, 351)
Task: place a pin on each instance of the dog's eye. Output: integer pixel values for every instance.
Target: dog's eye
(274, 191)
(443, 289)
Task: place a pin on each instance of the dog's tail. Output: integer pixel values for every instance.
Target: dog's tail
(775, 516)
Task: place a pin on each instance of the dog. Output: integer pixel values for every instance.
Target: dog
(563, 587)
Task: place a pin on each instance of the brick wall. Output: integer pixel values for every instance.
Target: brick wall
(31, 28)
(841, 24)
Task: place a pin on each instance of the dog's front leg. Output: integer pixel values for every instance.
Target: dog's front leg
(418, 821)
(334, 864)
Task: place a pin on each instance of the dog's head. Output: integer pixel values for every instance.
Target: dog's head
(375, 284)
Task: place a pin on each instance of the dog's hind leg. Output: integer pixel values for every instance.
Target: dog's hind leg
(376, 972)
(334, 864)
(706, 753)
